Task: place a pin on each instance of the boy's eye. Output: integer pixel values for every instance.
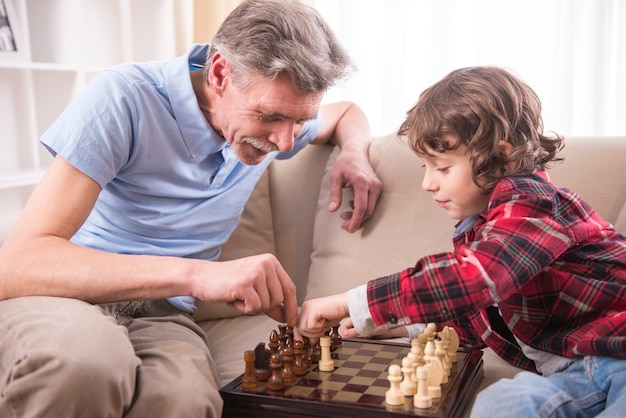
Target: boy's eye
(443, 169)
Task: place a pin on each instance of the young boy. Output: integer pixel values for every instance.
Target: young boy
(536, 274)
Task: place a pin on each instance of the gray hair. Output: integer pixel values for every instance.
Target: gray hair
(268, 37)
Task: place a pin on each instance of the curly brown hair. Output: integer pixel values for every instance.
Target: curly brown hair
(479, 107)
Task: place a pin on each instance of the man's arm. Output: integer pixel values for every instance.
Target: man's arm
(38, 259)
(345, 124)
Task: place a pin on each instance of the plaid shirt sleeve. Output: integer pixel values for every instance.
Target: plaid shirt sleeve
(530, 231)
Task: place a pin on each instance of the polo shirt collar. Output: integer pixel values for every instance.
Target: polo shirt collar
(199, 137)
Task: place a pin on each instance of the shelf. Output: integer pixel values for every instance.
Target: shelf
(65, 43)
(20, 178)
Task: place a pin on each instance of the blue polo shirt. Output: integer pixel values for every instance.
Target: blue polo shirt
(170, 184)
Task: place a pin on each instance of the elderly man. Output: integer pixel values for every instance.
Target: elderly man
(153, 165)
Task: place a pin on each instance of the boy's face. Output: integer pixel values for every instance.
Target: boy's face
(448, 177)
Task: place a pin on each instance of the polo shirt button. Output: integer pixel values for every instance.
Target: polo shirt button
(393, 319)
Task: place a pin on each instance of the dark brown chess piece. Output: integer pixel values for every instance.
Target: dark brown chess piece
(249, 380)
(299, 366)
(262, 362)
(275, 382)
(316, 353)
(335, 338)
(287, 373)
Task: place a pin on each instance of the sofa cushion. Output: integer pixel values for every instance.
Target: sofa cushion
(254, 235)
(620, 223)
(594, 168)
(294, 193)
(406, 225)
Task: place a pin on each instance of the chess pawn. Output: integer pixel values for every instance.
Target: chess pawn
(315, 353)
(289, 336)
(287, 373)
(394, 395)
(249, 380)
(275, 382)
(306, 346)
(416, 353)
(282, 337)
(326, 364)
(408, 386)
(299, 366)
(335, 337)
(422, 399)
(430, 332)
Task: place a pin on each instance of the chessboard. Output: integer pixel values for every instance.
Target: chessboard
(356, 386)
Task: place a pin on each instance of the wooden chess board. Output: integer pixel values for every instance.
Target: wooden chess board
(356, 387)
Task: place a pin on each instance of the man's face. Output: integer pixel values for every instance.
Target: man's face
(448, 177)
(266, 116)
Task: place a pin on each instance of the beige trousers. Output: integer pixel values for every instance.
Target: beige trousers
(67, 358)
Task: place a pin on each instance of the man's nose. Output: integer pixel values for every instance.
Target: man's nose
(284, 134)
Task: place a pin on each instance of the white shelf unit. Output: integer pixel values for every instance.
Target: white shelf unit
(64, 43)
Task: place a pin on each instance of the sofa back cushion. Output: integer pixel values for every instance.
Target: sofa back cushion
(405, 226)
(254, 235)
(295, 190)
(408, 225)
(595, 168)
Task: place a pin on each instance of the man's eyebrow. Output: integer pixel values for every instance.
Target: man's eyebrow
(279, 116)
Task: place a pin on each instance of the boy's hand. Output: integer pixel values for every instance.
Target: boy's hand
(318, 315)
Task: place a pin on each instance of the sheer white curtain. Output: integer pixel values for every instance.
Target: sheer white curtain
(571, 52)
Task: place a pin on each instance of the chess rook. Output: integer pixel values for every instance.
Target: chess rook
(326, 364)
(249, 380)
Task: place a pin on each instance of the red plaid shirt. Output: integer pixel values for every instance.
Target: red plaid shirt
(553, 266)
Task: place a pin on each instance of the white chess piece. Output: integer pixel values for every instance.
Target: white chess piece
(422, 399)
(436, 373)
(453, 344)
(326, 364)
(394, 395)
(442, 355)
(408, 386)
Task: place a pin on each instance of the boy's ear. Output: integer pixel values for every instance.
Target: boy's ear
(505, 149)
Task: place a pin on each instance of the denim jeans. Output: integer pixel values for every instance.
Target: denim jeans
(590, 387)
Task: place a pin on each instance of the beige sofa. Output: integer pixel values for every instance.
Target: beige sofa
(287, 216)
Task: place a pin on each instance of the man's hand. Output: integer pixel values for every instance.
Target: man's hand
(344, 124)
(352, 169)
(252, 285)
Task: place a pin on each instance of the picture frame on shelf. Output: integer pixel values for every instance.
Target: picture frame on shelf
(14, 44)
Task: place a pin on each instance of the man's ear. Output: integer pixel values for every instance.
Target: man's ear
(218, 73)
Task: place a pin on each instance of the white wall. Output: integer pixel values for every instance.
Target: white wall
(572, 52)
